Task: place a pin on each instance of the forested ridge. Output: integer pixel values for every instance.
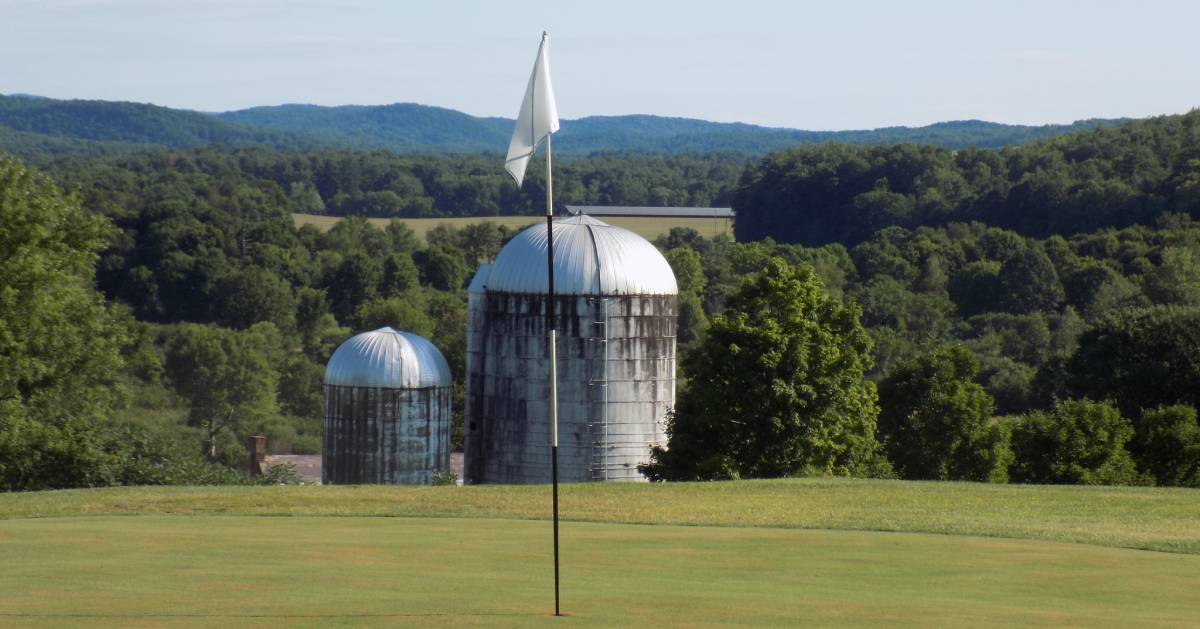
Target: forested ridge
(31, 127)
(1107, 177)
(1058, 346)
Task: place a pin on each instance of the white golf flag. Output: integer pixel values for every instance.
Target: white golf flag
(538, 117)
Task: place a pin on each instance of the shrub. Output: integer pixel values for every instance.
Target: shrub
(1076, 442)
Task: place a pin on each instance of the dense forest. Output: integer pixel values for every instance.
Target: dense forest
(384, 185)
(1108, 177)
(161, 306)
(33, 126)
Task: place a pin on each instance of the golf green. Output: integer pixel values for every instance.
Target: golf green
(211, 570)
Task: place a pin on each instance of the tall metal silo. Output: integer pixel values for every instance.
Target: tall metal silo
(616, 302)
(387, 410)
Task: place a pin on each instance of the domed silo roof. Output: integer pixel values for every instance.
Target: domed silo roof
(591, 257)
(386, 358)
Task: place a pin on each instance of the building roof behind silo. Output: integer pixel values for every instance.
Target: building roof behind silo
(658, 212)
(591, 257)
(389, 359)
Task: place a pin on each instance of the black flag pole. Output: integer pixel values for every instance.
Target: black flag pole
(551, 321)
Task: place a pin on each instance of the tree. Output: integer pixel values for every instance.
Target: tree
(405, 313)
(689, 275)
(442, 267)
(355, 281)
(59, 343)
(250, 295)
(1141, 358)
(1077, 442)
(775, 388)
(399, 275)
(934, 422)
(1167, 446)
(319, 331)
(226, 376)
(1176, 280)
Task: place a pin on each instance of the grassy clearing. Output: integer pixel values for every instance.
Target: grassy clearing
(649, 228)
(276, 572)
(1129, 517)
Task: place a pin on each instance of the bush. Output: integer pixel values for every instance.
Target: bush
(1168, 446)
(934, 420)
(1077, 442)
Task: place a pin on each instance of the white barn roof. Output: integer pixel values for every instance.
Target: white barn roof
(672, 212)
(386, 358)
(591, 257)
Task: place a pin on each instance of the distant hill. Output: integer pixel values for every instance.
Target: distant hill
(136, 124)
(407, 127)
(403, 127)
(32, 125)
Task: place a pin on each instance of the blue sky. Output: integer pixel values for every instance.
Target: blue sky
(811, 65)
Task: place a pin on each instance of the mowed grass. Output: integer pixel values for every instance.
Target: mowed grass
(646, 227)
(1161, 519)
(208, 571)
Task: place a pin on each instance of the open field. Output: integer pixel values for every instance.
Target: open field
(648, 228)
(303, 571)
(829, 552)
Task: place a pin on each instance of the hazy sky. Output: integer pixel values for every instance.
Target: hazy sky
(811, 65)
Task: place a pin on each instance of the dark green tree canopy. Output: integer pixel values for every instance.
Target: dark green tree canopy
(1077, 442)
(1107, 177)
(1167, 446)
(1140, 358)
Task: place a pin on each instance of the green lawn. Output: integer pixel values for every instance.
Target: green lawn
(759, 553)
(242, 570)
(649, 228)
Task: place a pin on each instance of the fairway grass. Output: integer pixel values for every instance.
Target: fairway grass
(645, 226)
(1162, 519)
(232, 571)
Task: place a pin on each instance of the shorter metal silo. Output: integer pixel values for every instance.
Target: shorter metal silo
(387, 410)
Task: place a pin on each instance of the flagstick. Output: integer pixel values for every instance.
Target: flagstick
(551, 318)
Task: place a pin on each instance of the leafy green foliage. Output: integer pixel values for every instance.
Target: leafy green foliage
(1167, 445)
(775, 388)
(59, 342)
(935, 422)
(1078, 441)
(1140, 358)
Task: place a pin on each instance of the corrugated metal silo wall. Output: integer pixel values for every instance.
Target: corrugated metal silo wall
(386, 436)
(616, 377)
(474, 385)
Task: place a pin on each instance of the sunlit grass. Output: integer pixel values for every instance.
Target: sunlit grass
(208, 571)
(1131, 517)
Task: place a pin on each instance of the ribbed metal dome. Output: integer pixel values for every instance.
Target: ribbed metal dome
(591, 257)
(386, 358)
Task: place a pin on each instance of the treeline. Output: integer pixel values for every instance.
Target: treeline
(1112, 176)
(384, 185)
